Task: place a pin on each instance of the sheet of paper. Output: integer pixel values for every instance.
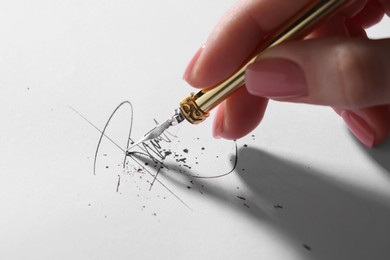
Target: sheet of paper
(299, 187)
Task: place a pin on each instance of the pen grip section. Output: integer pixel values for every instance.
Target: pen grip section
(190, 110)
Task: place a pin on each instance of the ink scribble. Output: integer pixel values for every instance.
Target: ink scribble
(153, 151)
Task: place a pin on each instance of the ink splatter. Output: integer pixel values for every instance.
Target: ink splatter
(241, 198)
(118, 183)
(148, 158)
(151, 150)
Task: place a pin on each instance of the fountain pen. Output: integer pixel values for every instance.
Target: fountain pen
(195, 107)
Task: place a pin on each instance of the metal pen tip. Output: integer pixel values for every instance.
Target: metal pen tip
(176, 119)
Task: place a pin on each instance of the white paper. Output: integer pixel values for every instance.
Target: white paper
(303, 187)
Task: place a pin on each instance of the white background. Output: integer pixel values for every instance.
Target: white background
(311, 190)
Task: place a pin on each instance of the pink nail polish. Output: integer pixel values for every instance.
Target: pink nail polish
(359, 128)
(276, 78)
(191, 64)
(218, 122)
(217, 130)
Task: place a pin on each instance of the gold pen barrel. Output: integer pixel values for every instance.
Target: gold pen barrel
(195, 108)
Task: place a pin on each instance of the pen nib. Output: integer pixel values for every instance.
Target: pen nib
(176, 119)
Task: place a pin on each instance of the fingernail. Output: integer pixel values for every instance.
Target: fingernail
(191, 64)
(218, 122)
(217, 130)
(362, 131)
(276, 78)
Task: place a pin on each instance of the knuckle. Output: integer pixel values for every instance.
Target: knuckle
(352, 73)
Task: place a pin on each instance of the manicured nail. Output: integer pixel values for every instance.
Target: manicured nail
(218, 122)
(276, 78)
(217, 130)
(359, 128)
(191, 64)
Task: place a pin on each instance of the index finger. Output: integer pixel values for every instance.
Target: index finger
(236, 36)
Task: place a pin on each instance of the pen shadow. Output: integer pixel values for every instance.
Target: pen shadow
(326, 218)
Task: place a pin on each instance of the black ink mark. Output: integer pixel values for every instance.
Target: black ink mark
(104, 129)
(278, 207)
(307, 247)
(241, 198)
(155, 177)
(151, 150)
(223, 174)
(119, 183)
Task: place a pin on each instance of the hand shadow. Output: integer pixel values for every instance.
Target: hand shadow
(330, 219)
(335, 220)
(381, 154)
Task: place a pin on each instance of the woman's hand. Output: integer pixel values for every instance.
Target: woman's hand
(336, 65)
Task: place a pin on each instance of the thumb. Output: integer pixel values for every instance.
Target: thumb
(346, 73)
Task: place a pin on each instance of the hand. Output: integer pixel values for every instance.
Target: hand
(337, 66)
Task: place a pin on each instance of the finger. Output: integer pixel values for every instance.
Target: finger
(238, 115)
(354, 7)
(339, 25)
(371, 126)
(371, 14)
(385, 6)
(348, 73)
(335, 26)
(355, 29)
(236, 36)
